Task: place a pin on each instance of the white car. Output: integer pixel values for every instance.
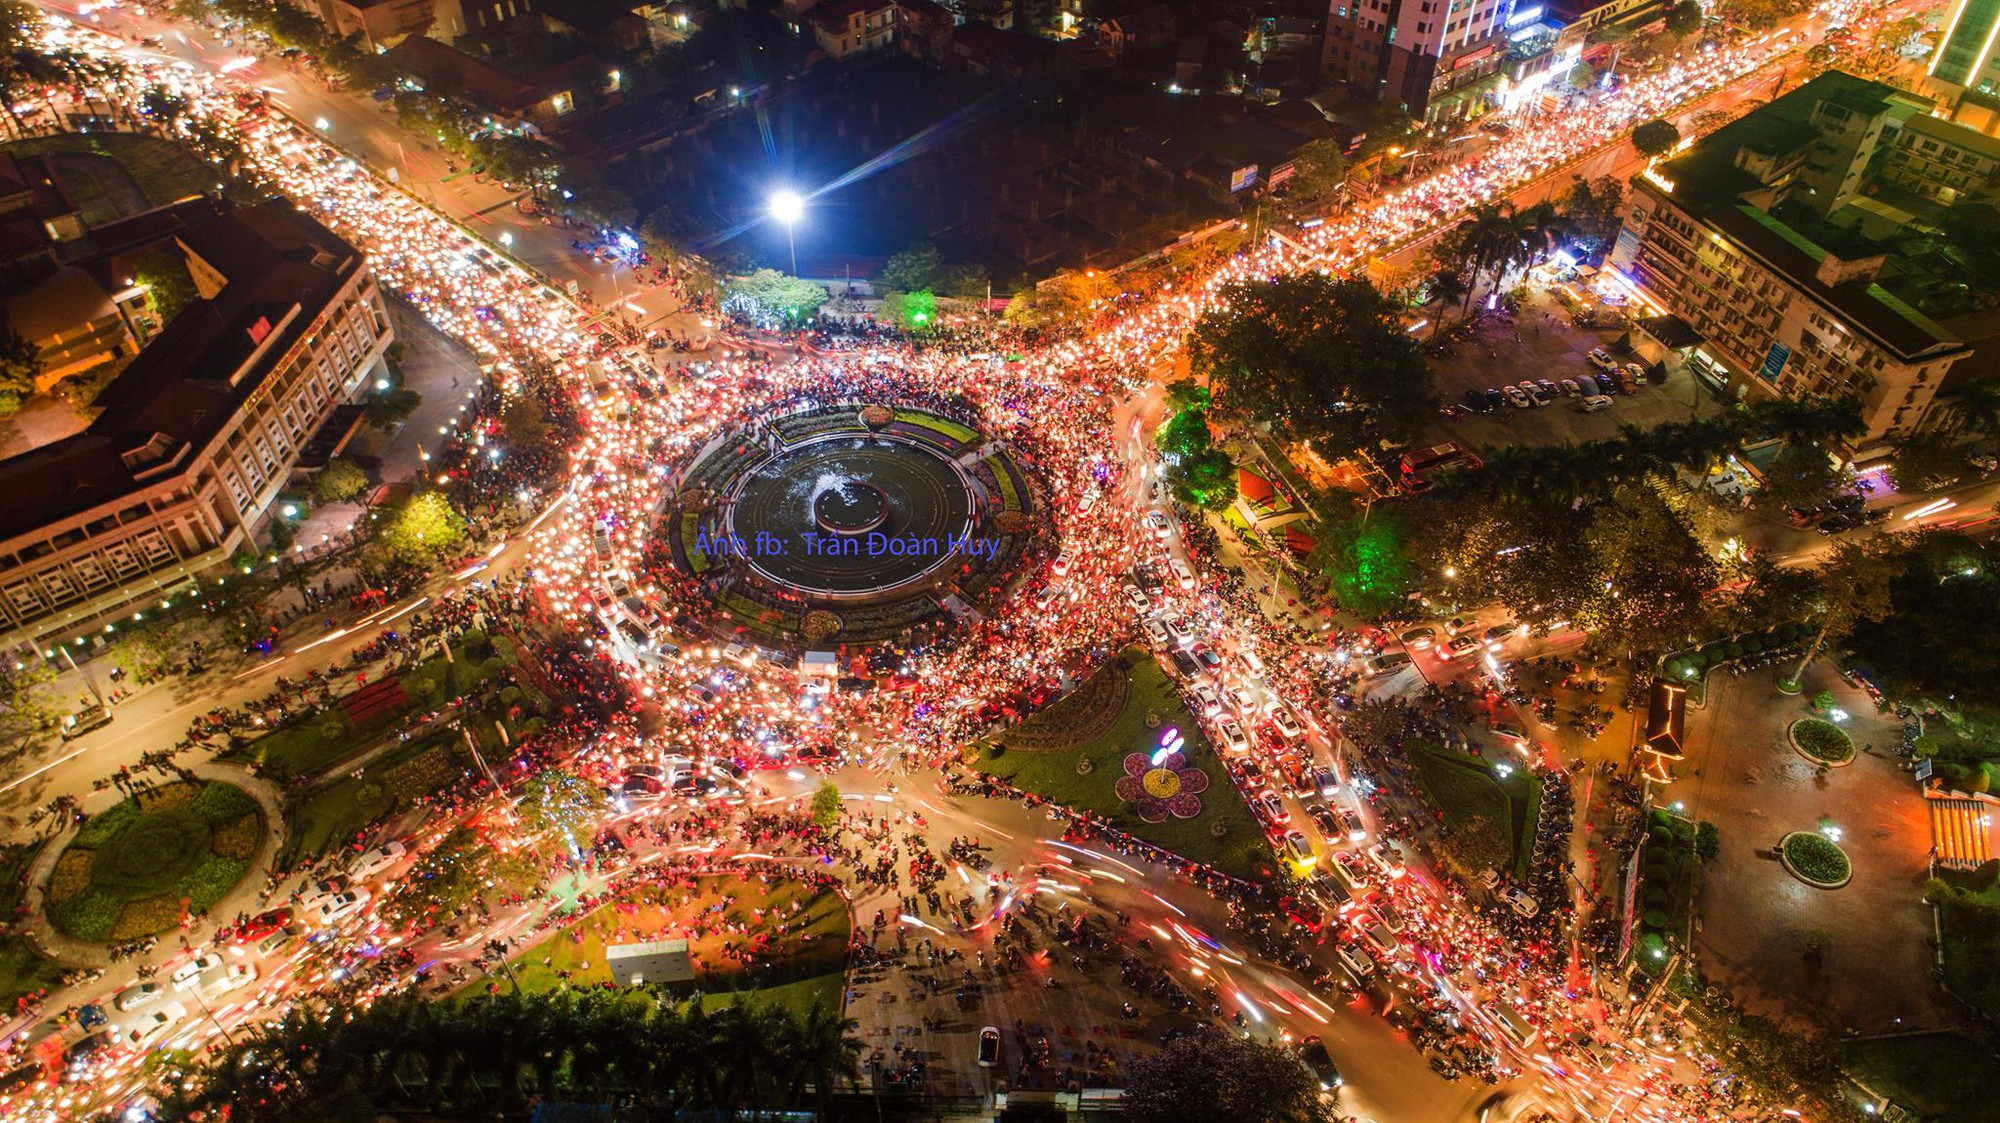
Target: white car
(1176, 634)
(151, 1027)
(137, 997)
(1182, 573)
(1061, 565)
(377, 860)
(1156, 632)
(1136, 597)
(739, 654)
(1234, 737)
(339, 907)
(1161, 525)
(188, 975)
(1520, 901)
(1288, 726)
(1356, 961)
(1602, 360)
(238, 976)
(1208, 700)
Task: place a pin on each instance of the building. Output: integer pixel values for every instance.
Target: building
(1436, 59)
(542, 100)
(1778, 312)
(845, 28)
(1942, 162)
(198, 435)
(1963, 59)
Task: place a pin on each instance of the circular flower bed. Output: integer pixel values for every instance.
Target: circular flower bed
(1169, 787)
(821, 625)
(1815, 859)
(130, 867)
(1821, 741)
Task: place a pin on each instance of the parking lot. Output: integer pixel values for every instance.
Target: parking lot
(1541, 343)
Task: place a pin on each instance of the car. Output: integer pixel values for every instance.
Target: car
(1460, 645)
(1417, 639)
(1325, 781)
(1300, 850)
(1323, 817)
(739, 654)
(338, 907)
(260, 926)
(1185, 664)
(1837, 524)
(1234, 738)
(138, 996)
(1135, 598)
(1495, 399)
(1499, 633)
(1636, 372)
(1520, 901)
(989, 1046)
(1508, 731)
(1183, 575)
(1477, 402)
(1377, 934)
(1176, 634)
(1207, 699)
(1515, 398)
(1602, 360)
(1156, 632)
(377, 860)
(1272, 809)
(1350, 821)
(1386, 662)
(1533, 393)
(1148, 579)
(1159, 523)
(1354, 868)
(1569, 388)
(1206, 656)
(1288, 726)
(1593, 403)
(151, 1027)
(1356, 961)
(1061, 565)
(271, 943)
(187, 975)
(1313, 1052)
(1331, 890)
(1548, 386)
(1244, 699)
(236, 977)
(1606, 384)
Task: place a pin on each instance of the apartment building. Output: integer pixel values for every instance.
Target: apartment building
(1964, 56)
(198, 435)
(1941, 161)
(845, 28)
(1779, 314)
(1431, 57)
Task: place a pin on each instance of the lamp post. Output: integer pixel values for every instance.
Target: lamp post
(788, 207)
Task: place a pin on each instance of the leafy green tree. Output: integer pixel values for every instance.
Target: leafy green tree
(422, 532)
(1205, 479)
(1319, 168)
(339, 481)
(1219, 1077)
(1775, 594)
(967, 282)
(1684, 19)
(1320, 359)
(1070, 295)
(1656, 137)
(826, 804)
(28, 700)
(1185, 433)
(918, 268)
(1927, 461)
(169, 285)
(1368, 566)
(1593, 208)
(1856, 583)
(1184, 394)
(563, 806)
(1761, 15)
(913, 312)
(20, 360)
(774, 299)
(447, 878)
(1801, 476)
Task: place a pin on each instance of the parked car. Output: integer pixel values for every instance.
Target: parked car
(1475, 400)
(1606, 384)
(1570, 389)
(989, 1047)
(1520, 901)
(1602, 360)
(1515, 398)
(1548, 386)
(1534, 393)
(1495, 399)
(1593, 403)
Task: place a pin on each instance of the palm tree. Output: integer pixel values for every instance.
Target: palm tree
(1446, 286)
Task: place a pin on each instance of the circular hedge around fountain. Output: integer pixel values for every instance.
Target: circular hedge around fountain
(1815, 859)
(1821, 742)
(131, 866)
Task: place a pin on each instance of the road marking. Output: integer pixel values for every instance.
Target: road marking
(45, 768)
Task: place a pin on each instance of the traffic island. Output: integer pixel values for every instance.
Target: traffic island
(1815, 859)
(1821, 742)
(136, 868)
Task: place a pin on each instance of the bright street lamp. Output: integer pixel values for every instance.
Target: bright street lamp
(788, 207)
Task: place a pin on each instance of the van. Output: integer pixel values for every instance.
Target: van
(1595, 402)
(1388, 661)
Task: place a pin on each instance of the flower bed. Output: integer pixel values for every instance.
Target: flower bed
(1821, 741)
(1815, 860)
(131, 866)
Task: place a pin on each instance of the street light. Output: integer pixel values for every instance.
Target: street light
(788, 207)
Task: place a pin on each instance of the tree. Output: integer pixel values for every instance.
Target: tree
(1684, 19)
(1944, 609)
(563, 806)
(1801, 476)
(1071, 294)
(1656, 137)
(422, 532)
(1445, 287)
(1218, 1077)
(773, 299)
(1927, 461)
(1775, 594)
(1975, 404)
(1205, 479)
(163, 272)
(28, 701)
(1319, 359)
(1593, 208)
(915, 313)
(20, 360)
(339, 481)
(1761, 15)
(826, 804)
(1855, 582)
(446, 879)
(1971, 233)
(919, 267)
(1319, 168)
(967, 282)
(1368, 566)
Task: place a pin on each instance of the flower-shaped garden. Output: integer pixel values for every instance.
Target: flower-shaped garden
(1161, 787)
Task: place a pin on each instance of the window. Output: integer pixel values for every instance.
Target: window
(120, 555)
(264, 456)
(238, 492)
(58, 585)
(154, 546)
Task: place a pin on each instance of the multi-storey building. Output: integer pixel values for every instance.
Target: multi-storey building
(198, 435)
(1779, 313)
(1417, 54)
(1942, 162)
(1964, 57)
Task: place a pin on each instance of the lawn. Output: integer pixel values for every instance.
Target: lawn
(22, 968)
(1935, 1075)
(1492, 817)
(1041, 755)
(336, 810)
(133, 868)
(808, 962)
